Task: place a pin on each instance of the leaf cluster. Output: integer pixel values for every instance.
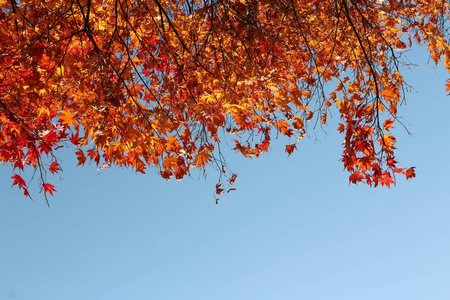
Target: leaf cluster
(161, 83)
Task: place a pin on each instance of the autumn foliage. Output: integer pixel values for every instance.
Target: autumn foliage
(161, 83)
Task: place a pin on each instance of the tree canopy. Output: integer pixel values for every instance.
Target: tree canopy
(160, 83)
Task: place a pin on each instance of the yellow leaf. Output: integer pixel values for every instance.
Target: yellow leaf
(389, 141)
(66, 118)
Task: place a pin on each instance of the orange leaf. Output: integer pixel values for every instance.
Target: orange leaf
(388, 124)
(232, 179)
(386, 180)
(219, 189)
(66, 118)
(290, 149)
(94, 155)
(203, 158)
(410, 173)
(80, 156)
(356, 177)
(264, 146)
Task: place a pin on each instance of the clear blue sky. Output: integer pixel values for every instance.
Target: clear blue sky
(294, 229)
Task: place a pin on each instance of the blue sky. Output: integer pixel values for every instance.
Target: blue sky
(294, 229)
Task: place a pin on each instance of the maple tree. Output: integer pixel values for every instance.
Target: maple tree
(160, 83)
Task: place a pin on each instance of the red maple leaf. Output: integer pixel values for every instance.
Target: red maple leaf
(45, 147)
(54, 167)
(48, 188)
(19, 181)
(75, 139)
(391, 162)
(50, 137)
